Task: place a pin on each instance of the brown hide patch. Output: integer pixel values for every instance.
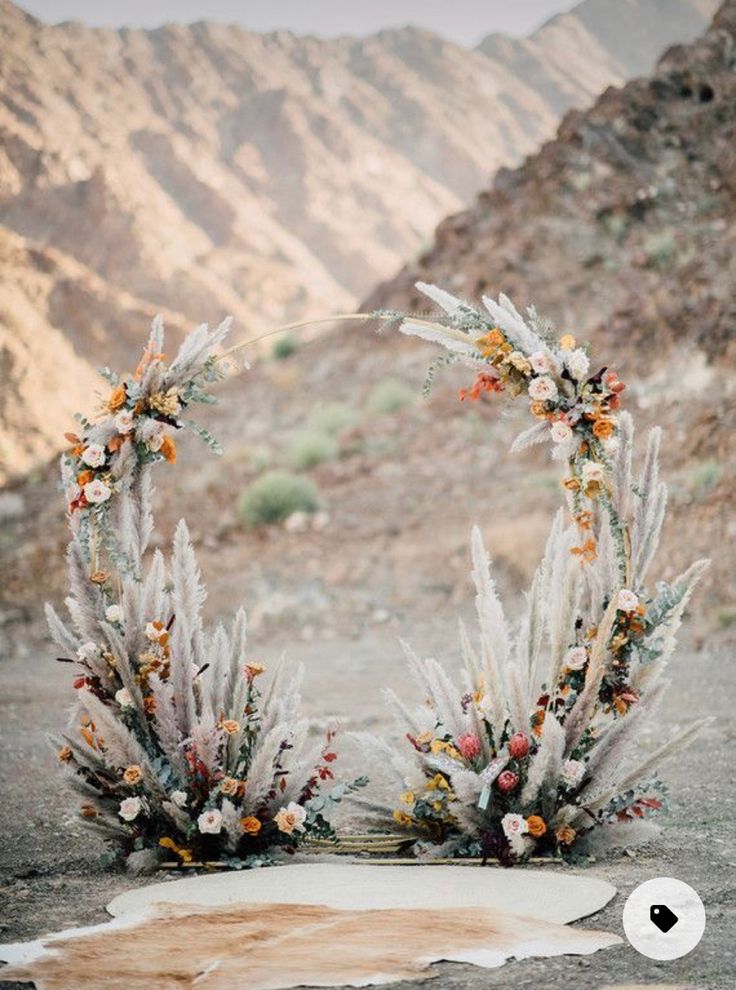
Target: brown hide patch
(273, 946)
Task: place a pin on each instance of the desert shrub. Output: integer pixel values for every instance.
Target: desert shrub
(389, 396)
(704, 476)
(308, 448)
(332, 417)
(285, 346)
(660, 249)
(275, 495)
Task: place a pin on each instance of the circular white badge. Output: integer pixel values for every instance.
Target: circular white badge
(664, 918)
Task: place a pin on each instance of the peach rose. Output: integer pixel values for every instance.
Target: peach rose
(565, 835)
(250, 825)
(117, 398)
(65, 754)
(229, 786)
(133, 775)
(291, 819)
(230, 726)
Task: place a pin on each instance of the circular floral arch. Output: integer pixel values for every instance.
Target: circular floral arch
(176, 750)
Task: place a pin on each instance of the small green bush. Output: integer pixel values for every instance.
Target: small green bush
(661, 250)
(332, 417)
(285, 346)
(309, 448)
(275, 495)
(389, 396)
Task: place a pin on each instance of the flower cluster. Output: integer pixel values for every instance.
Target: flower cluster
(171, 744)
(537, 753)
(134, 429)
(576, 408)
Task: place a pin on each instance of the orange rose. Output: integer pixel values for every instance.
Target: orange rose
(603, 428)
(230, 726)
(538, 409)
(117, 398)
(149, 704)
(168, 449)
(115, 444)
(536, 826)
(253, 669)
(571, 484)
(89, 811)
(250, 825)
(133, 775)
(565, 835)
(98, 577)
(84, 478)
(65, 754)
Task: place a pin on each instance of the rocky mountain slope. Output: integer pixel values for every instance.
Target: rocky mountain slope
(206, 169)
(622, 230)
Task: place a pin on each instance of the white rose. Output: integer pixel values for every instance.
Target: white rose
(113, 613)
(560, 432)
(94, 455)
(154, 443)
(123, 698)
(124, 421)
(576, 658)
(592, 471)
(578, 364)
(573, 772)
(627, 600)
(96, 492)
(210, 821)
(514, 825)
(130, 808)
(542, 363)
(88, 651)
(179, 798)
(515, 828)
(542, 389)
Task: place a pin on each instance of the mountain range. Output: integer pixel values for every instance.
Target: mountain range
(201, 170)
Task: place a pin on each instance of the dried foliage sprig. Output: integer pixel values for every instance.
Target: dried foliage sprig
(172, 745)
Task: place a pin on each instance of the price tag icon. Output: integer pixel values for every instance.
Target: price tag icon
(661, 916)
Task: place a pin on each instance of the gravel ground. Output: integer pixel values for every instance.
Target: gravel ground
(49, 878)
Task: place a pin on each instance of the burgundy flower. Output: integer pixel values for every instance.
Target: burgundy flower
(507, 781)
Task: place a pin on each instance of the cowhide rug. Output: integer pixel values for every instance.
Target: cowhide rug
(272, 944)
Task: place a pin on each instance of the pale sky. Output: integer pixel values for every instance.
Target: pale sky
(465, 21)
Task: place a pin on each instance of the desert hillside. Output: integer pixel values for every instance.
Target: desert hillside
(206, 169)
(621, 230)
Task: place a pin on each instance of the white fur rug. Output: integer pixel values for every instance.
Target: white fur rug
(318, 924)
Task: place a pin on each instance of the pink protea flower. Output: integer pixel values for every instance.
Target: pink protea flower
(507, 781)
(469, 746)
(518, 745)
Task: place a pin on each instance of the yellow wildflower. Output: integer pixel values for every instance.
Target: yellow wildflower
(402, 818)
(567, 342)
(408, 797)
